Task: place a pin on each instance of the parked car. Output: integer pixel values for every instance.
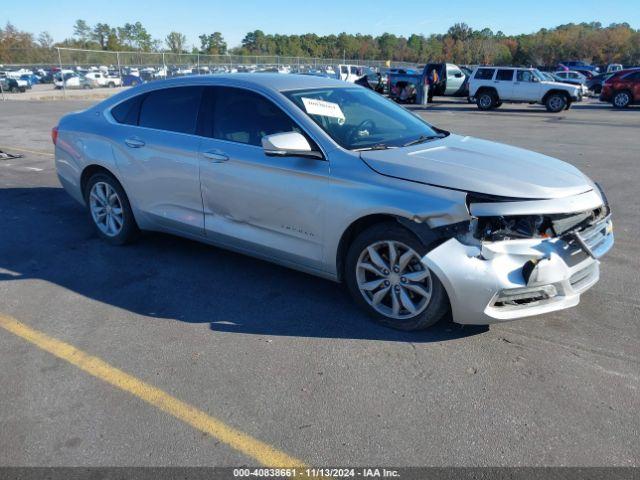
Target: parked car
(30, 78)
(578, 82)
(12, 85)
(571, 76)
(73, 81)
(131, 80)
(453, 82)
(594, 84)
(578, 65)
(101, 79)
(622, 88)
(349, 73)
(338, 181)
(490, 86)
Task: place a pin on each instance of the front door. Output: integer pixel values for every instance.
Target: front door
(455, 79)
(526, 87)
(270, 206)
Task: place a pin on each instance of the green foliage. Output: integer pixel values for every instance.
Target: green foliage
(591, 42)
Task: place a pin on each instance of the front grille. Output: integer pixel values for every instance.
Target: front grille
(595, 238)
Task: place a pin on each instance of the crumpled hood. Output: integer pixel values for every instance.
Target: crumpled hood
(474, 165)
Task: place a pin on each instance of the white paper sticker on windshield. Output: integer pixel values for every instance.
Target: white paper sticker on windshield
(320, 107)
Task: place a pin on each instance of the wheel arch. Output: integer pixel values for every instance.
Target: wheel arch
(554, 91)
(423, 232)
(486, 89)
(91, 170)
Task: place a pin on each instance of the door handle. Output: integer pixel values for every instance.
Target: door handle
(216, 156)
(134, 142)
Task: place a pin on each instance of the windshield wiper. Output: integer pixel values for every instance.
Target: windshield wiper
(422, 139)
(377, 146)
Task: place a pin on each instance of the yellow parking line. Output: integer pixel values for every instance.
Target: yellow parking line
(243, 443)
(20, 149)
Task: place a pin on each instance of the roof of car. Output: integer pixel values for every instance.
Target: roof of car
(275, 81)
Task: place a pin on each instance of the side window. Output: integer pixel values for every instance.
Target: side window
(173, 109)
(128, 111)
(505, 75)
(484, 74)
(524, 76)
(344, 69)
(245, 117)
(354, 70)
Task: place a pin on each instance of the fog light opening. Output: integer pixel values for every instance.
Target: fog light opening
(516, 297)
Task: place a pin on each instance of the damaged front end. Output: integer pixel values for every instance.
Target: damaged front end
(517, 258)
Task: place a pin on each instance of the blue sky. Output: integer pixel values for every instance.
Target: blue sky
(235, 18)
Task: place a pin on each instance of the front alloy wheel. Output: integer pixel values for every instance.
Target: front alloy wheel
(621, 100)
(386, 276)
(556, 103)
(392, 280)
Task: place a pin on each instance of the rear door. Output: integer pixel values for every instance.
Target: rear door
(156, 150)
(503, 81)
(633, 81)
(270, 206)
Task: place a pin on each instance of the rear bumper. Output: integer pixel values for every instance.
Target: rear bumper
(490, 283)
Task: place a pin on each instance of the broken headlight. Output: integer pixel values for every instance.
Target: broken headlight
(512, 227)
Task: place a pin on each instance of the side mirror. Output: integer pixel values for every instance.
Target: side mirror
(288, 144)
(535, 79)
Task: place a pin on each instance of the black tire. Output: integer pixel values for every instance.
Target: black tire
(556, 102)
(111, 85)
(129, 230)
(498, 104)
(86, 87)
(14, 89)
(437, 306)
(486, 100)
(621, 99)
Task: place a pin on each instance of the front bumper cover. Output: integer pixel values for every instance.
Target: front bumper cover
(477, 277)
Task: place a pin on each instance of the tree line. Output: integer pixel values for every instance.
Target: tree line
(461, 44)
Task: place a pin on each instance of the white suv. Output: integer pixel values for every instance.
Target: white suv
(490, 86)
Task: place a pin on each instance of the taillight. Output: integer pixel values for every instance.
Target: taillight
(54, 135)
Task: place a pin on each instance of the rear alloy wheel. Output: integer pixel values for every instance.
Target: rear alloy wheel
(486, 101)
(556, 102)
(110, 210)
(621, 100)
(386, 276)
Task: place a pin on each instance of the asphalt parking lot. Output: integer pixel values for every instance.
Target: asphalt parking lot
(287, 358)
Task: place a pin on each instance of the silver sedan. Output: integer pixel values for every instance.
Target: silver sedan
(337, 181)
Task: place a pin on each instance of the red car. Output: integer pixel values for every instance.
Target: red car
(622, 89)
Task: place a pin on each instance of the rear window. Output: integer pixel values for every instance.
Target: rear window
(484, 73)
(172, 109)
(504, 75)
(128, 111)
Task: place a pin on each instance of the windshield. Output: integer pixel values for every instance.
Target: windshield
(538, 74)
(359, 119)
